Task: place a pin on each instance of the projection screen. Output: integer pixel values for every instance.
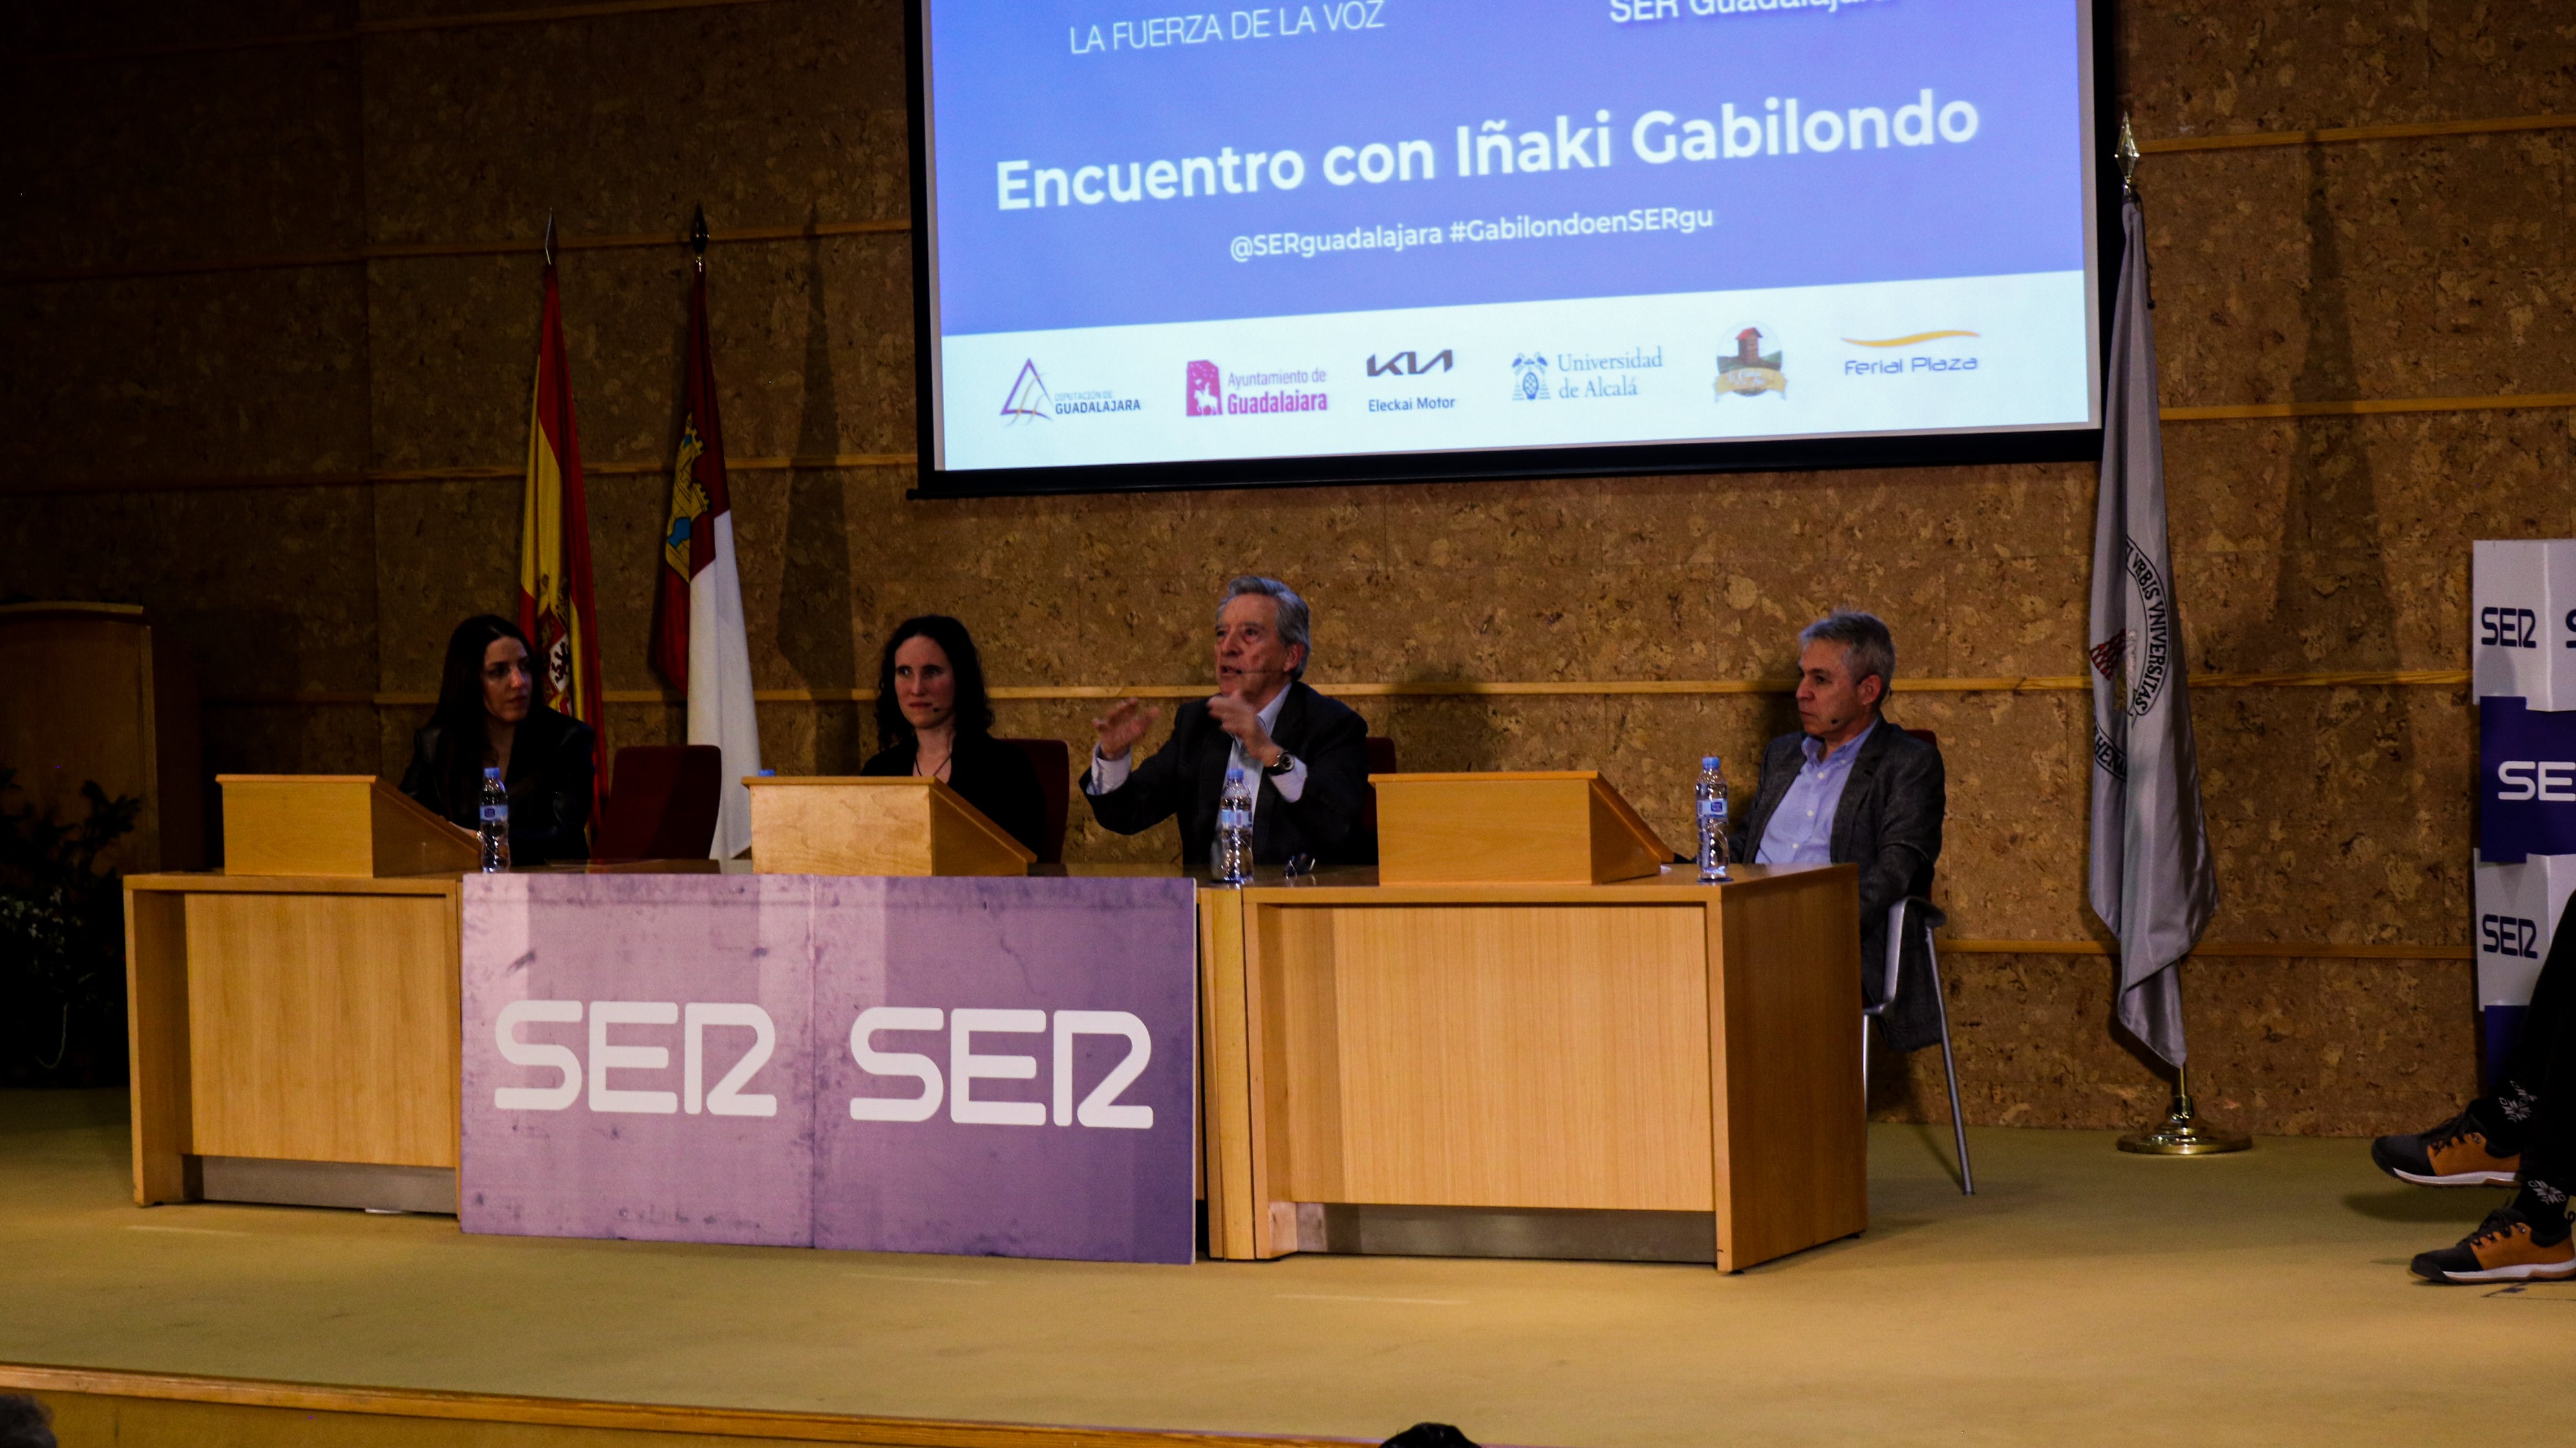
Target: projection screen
(1383, 239)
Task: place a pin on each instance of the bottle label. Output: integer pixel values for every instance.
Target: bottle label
(1234, 819)
(494, 814)
(1712, 809)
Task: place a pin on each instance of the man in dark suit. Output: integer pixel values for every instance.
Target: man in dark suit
(1852, 788)
(1308, 754)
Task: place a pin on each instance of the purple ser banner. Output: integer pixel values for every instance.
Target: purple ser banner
(1000, 1067)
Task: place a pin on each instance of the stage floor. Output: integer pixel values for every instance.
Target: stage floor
(2083, 1296)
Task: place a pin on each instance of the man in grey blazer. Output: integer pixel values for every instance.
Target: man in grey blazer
(1851, 787)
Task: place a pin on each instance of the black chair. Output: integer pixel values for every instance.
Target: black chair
(662, 803)
(1919, 915)
(1054, 764)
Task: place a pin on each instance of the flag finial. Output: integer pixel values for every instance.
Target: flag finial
(698, 234)
(550, 238)
(2128, 154)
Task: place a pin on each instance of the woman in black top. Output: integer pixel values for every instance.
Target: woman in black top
(488, 716)
(937, 724)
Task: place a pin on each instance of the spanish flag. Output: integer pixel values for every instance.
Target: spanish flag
(699, 643)
(555, 608)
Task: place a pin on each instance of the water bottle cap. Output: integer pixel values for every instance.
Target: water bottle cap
(492, 771)
(1708, 761)
(1233, 775)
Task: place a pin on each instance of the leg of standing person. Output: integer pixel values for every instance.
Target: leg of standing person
(2531, 1121)
(2483, 1145)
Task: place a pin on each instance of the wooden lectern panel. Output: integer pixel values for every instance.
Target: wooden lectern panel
(1568, 828)
(347, 826)
(875, 825)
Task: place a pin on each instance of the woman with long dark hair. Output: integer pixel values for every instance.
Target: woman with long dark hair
(488, 716)
(937, 723)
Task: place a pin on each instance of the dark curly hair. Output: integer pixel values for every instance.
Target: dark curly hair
(974, 708)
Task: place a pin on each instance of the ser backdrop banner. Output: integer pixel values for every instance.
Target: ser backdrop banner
(997, 1067)
(1420, 225)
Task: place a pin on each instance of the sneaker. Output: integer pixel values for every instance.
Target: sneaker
(2500, 1250)
(2453, 1154)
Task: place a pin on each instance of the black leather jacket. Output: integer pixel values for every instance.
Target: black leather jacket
(550, 780)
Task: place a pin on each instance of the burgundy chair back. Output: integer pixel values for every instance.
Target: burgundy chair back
(662, 803)
(1054, 763)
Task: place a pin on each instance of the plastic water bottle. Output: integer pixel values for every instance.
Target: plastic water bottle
(1233, 863)
(495, 826)
(1711, 797)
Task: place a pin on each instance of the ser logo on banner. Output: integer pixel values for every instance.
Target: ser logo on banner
(2509, 935)
(1100, 1108)
(2511, 628)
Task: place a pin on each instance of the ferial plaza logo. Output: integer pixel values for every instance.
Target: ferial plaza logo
(1214, 392)
(1751, 371)
(1029, 398)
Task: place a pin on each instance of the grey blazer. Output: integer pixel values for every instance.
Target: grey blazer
(1889, 824)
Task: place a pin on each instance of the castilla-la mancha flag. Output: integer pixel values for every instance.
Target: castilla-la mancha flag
(698, 640)
(555, 609)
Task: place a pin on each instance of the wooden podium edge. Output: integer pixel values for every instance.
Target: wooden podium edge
(401, 801)
(1627, 816)
(939, 790)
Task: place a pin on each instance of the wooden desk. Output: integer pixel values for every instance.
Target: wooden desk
(1653, 1045)
(299, 1020)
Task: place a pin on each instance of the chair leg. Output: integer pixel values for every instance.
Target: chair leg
(1950, 1069)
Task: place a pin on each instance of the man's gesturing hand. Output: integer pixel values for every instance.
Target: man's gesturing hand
(1243, 721)
(1122, 726)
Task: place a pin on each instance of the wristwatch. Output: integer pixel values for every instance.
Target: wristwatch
(1287, 762)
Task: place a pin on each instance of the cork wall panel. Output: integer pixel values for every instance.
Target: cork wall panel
(768, 114)
(276, 142)
(261, 372)
(268, 592)
(2305, 1047)
(2391, 268)
(2202, 67)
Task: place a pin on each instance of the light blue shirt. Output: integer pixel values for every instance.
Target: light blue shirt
(1801, 831)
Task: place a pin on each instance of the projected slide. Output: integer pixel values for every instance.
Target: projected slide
(1427, 226)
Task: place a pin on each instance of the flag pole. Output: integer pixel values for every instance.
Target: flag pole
(2182, 1132)
(2158, 1022)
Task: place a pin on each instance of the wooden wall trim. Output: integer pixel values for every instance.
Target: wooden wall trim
(413, 250)
(365, 28)
(1428, 689)
(2368, 406)
(2410, 131)
(222, 482)
(629, 1417)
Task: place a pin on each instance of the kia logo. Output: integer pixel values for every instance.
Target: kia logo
(1406, 364)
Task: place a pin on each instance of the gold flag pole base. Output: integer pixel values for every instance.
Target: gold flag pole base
(2182, 1133)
